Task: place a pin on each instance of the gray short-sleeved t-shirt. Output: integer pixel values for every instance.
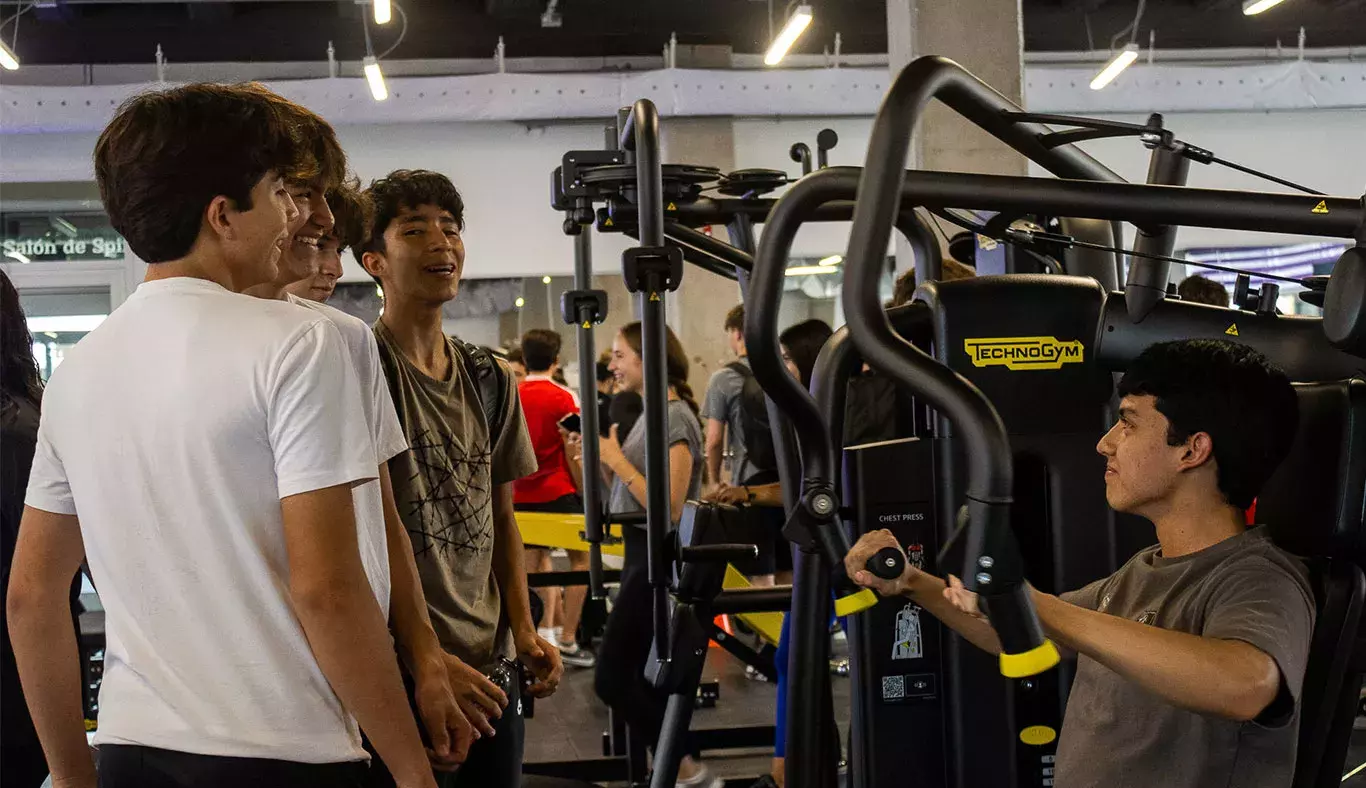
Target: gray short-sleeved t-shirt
(683, 428)
(1117, 734)
(722, 404)
(444, 488)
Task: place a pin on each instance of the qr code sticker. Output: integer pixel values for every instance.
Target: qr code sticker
(893, 687)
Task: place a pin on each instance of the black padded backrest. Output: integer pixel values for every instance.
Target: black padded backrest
(1313, 502)
(1313, 506)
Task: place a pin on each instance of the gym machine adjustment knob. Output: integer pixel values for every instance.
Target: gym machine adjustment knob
(887, 563)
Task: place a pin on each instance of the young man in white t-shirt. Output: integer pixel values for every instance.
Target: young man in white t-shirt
(199, 449)
(383, 539)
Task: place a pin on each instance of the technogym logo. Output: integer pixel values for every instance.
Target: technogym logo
(1023, 353)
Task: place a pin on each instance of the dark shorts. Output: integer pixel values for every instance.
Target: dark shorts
(494, 762)
(568, 504)
(132, 766)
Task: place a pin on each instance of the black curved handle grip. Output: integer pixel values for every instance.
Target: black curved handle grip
(887, 563)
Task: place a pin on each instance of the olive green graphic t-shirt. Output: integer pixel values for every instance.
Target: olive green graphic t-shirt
(443, 487)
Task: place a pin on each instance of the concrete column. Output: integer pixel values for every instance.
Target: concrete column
(697, 311)
(986, 37)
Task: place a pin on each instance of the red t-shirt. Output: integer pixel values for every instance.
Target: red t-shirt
(544, 403)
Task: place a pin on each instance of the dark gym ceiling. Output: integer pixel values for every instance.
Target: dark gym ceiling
(128, 31)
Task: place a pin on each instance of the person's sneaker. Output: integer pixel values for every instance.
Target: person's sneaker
(576, 655)
(703, 779)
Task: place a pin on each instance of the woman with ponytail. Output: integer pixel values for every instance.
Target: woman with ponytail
(625, 645)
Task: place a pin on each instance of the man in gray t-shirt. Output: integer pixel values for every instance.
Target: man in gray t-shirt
(1191, 657)
(721, 408)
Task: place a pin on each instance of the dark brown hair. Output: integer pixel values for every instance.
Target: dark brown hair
(540, 349)
(18, 368)
(353, 212)
(903, 290)
(676, 362)
(804, 342)
(167, 154)
(735, 319)
(1201, 290)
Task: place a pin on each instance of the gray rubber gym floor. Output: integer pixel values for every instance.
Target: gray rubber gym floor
(570, 724)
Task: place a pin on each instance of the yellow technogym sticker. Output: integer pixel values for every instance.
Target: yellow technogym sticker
(1322, 207)
(1232, 330)
(1038, 735)
(1023, 353)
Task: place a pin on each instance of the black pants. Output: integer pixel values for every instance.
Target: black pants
(493, 762)
(565, 504)
(625, 647)
(128, 766)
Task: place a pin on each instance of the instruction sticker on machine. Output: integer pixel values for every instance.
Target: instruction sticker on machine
(1023, 353)
(908, 644)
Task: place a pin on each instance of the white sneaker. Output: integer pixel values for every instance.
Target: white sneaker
(703, 779)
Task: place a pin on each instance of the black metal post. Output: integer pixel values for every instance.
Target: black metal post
(1146, 283)
(588, 382)
(995, 568)
(640, 138)
(672, 738)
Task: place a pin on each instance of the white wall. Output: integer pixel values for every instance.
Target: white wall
(504, 169)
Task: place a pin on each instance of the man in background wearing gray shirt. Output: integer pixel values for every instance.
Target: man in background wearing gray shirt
(721, 408)
(1190, 657)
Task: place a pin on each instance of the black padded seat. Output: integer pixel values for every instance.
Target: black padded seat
(1313, 505)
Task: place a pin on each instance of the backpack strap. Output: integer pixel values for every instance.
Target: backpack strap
(740, 368)
(491, 382)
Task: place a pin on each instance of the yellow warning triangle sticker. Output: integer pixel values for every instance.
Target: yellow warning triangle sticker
(1322, 207)
(587, 324)
(654, 296)
(1232, 330)
(607, 223)
(671, 207)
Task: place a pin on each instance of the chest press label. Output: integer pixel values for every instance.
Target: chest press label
(1023, 353)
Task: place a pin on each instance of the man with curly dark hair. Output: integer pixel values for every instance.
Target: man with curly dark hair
(460, 411)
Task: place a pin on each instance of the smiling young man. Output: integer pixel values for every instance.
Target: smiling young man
(454, 488)
(1192, 655)
(209, 442)
(383, 539)
(350, 210)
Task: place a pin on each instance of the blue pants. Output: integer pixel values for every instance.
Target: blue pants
(780, 664)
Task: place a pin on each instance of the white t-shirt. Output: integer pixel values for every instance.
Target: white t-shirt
(173, 430)
(382, 420)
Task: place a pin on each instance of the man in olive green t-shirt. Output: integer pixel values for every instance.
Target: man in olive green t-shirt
(453, 489)
(1191, 656)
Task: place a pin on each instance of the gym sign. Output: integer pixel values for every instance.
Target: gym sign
(1023, 353)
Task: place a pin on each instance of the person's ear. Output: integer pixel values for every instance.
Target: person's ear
(374, 264)
(1199, 449)
(220, 216)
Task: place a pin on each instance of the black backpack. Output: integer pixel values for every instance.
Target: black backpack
(491, 380)
(488, 376)
(759, 452)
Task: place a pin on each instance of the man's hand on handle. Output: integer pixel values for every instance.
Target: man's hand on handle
(856, 564)
(544, 661)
